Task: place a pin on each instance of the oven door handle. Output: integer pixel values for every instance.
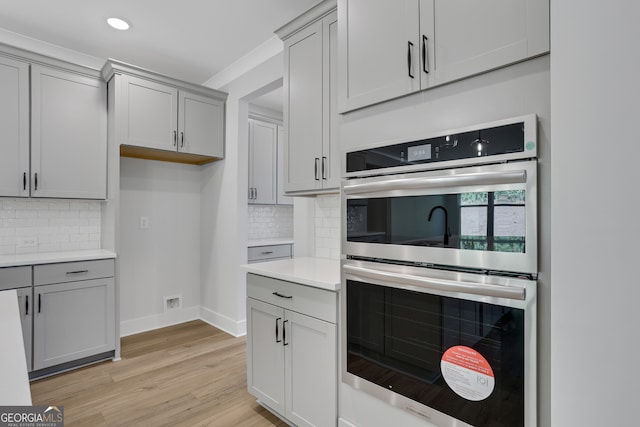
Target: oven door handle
(437, 284)
(442, 181)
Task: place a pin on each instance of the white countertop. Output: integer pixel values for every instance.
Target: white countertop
(317, 272)
(269, 242)
(14, 387)
(53, 257)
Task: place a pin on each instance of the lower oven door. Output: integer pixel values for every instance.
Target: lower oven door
(455, 348)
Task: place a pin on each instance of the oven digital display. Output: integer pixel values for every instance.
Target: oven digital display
(419, 152)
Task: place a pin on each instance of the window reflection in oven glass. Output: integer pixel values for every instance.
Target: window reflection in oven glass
(483, 221)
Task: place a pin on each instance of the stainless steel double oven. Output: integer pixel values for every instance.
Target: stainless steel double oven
(439, 272)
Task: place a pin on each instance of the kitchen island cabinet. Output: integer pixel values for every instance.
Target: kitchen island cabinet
(15, 388)
(292, 346)
(160, 118)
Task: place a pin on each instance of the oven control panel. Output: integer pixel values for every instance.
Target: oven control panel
(472, 145)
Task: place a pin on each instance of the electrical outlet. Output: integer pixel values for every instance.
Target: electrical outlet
(28, 242)
(144, 222)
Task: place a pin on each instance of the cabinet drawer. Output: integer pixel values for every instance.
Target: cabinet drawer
(72, 271)
(314, 302)
(15, 277)
(262, 253)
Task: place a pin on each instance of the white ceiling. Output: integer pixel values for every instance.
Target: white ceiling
(188, 39)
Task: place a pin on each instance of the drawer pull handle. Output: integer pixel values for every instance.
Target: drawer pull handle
(39, 303)
(70, 273)
(282, 296)
(266, 252)
(26, 312)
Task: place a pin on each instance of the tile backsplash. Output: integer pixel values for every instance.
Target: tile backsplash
(328, 226)
(32, 226)
(270, 222)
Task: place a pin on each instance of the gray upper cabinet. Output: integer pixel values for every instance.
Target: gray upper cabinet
(14, 125)
(68, 135)
(311, 157)
(200, 125)
(262, 162)
(149, 114)
(54, 127)
(161, 118)
(431, 42)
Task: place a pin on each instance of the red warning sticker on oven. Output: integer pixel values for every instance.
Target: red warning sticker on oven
(467, 373)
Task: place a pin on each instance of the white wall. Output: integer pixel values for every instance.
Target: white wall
(224, 205)
(163, 260)
(595, 198)
(516, 90)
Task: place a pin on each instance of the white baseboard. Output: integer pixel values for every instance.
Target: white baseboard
(230, 326)
(156, 321)
(174, 317)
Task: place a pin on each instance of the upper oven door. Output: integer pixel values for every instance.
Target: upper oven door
(482, 217)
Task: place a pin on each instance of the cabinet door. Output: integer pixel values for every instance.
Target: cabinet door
(73, 320)
(25, 306)
(14, 126)
(330, 151)
(265, 354)
(68, 135)
(378, 50)
(472, 37)
(200, 125)
(263, 162)
(150, 114)
(303, 91)
(311, 371)
(281, 197)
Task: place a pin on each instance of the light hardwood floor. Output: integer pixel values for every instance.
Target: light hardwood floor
(190, 374)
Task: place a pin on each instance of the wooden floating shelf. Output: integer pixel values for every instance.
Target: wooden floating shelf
(165, 155)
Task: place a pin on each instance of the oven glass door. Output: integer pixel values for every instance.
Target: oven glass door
(465, 356)
(482, 217)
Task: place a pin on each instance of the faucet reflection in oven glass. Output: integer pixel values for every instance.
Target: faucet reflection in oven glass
(447, 233)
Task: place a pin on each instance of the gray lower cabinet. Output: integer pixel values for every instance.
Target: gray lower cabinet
(19, 278)
(74, 313)
(73, 321)
(292, 350)
(67, 312)
(25, 305)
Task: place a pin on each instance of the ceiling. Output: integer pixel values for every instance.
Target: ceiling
(191, 40)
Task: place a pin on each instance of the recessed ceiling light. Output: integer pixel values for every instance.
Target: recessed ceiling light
(118, 24)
